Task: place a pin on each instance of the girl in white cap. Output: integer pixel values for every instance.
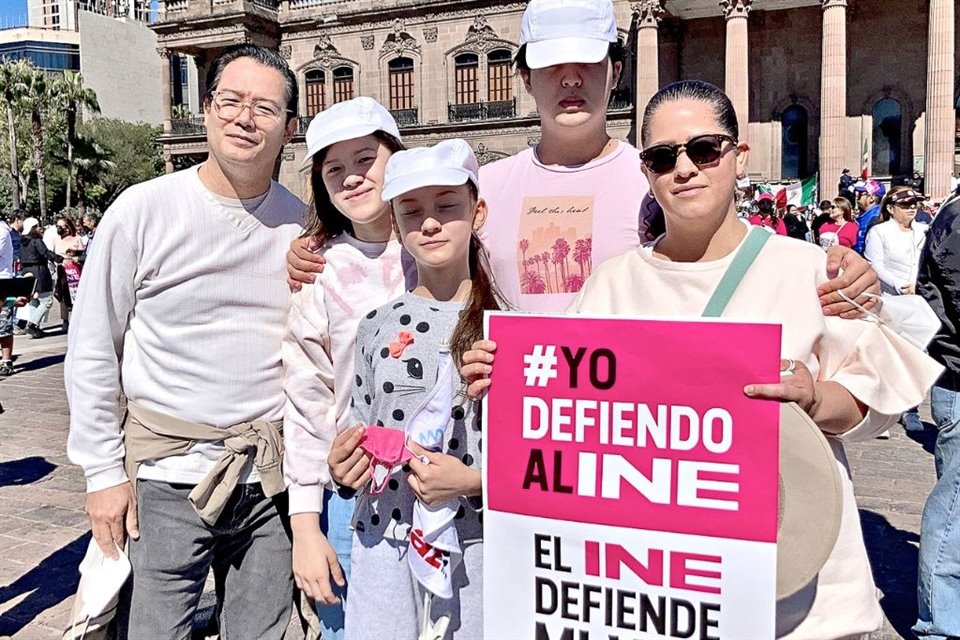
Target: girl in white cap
(348, 146)
(417, 546)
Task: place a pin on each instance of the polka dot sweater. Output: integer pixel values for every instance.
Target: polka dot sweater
(393, 375)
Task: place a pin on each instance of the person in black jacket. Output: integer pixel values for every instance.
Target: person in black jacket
(939, 283)
(35, 258)
(796, 223)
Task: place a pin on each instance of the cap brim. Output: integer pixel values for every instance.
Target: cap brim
(548, 53)
(423, 178)
(811, 501)
(333, 137)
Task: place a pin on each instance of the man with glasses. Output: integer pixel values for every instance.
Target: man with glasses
(181, 310)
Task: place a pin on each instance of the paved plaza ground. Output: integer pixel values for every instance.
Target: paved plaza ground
(43, 530)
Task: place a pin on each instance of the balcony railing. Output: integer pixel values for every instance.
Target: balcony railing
(482, 110)
(188, 126)
(405, 117)
(620, 102)
(303, 122)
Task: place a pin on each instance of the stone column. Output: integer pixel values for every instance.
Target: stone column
(938, 148)
(833, 96)
(167, 106)
(737, 70)
(648, 14)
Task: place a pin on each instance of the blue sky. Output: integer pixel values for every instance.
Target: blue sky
(13, 12)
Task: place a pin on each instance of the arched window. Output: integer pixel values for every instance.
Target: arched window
(342, 84)
(499, 86)
(794, 128)
(400, 73)
(466, 68)
(887, 134)
(315, 84)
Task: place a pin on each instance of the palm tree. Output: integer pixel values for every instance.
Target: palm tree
(11, 74)
(561, 248)
(524, 245)
(36, 98)
(581, 254)
(74, 97)
(91, 161)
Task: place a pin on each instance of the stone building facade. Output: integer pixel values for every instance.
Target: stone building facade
(819, 85)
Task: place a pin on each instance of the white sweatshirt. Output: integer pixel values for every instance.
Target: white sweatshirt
(181, 308)
(318, 356)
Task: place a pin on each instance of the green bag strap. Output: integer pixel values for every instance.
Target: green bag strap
(728, 284)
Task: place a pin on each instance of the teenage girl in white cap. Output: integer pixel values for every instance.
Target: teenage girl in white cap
(348, 146)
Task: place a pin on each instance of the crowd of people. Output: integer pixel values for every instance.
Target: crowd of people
(53, 256)
(264, 435)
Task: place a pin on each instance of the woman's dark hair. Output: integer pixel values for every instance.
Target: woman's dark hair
(617, 53)
(68, 223)
(263, 56)
(887, 201)
(324, 221)
(484, 296)
(844, 205)
(693, 90)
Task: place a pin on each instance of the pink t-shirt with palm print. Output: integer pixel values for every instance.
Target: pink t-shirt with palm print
(550, 225)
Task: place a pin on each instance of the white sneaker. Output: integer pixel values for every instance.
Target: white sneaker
(911, 422)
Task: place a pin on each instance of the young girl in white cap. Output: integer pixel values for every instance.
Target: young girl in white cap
(417, 545)
(348, 146)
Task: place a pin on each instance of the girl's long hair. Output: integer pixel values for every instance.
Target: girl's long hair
(484, 296)
(324, 221)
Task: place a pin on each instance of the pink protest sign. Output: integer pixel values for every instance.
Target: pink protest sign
(629, 482)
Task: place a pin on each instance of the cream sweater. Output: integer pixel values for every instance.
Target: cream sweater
(878, 367)
(181, 309)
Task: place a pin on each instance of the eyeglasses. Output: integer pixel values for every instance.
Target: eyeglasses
(702, 150)
(229, 106)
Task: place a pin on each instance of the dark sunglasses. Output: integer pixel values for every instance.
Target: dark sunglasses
(702, 150)
(906, 203)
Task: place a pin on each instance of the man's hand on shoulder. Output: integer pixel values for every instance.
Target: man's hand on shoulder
(303, 262)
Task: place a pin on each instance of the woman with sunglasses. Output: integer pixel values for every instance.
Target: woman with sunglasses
(893, 248)
(841, 372)
(840, 230)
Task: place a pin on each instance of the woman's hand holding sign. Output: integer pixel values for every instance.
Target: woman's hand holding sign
(829, 404)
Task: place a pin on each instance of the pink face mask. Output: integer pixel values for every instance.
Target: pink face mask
(387, 449)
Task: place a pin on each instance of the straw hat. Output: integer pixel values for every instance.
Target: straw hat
(810, 504)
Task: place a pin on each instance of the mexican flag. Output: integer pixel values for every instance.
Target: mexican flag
(865, 160)
(802, 194)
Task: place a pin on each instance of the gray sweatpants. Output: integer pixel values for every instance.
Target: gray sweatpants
(386, 601)
(248, 549)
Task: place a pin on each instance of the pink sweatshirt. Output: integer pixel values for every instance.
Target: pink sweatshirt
(550, 225)
(318, 356)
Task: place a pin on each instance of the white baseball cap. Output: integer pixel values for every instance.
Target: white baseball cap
(567, 31)
(345, 121)
(29, 224)
(447, 163)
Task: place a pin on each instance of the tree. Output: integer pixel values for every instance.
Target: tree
(134, 150)
(74, 97)
(36, 98)
(11, 75)
(92, 161)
